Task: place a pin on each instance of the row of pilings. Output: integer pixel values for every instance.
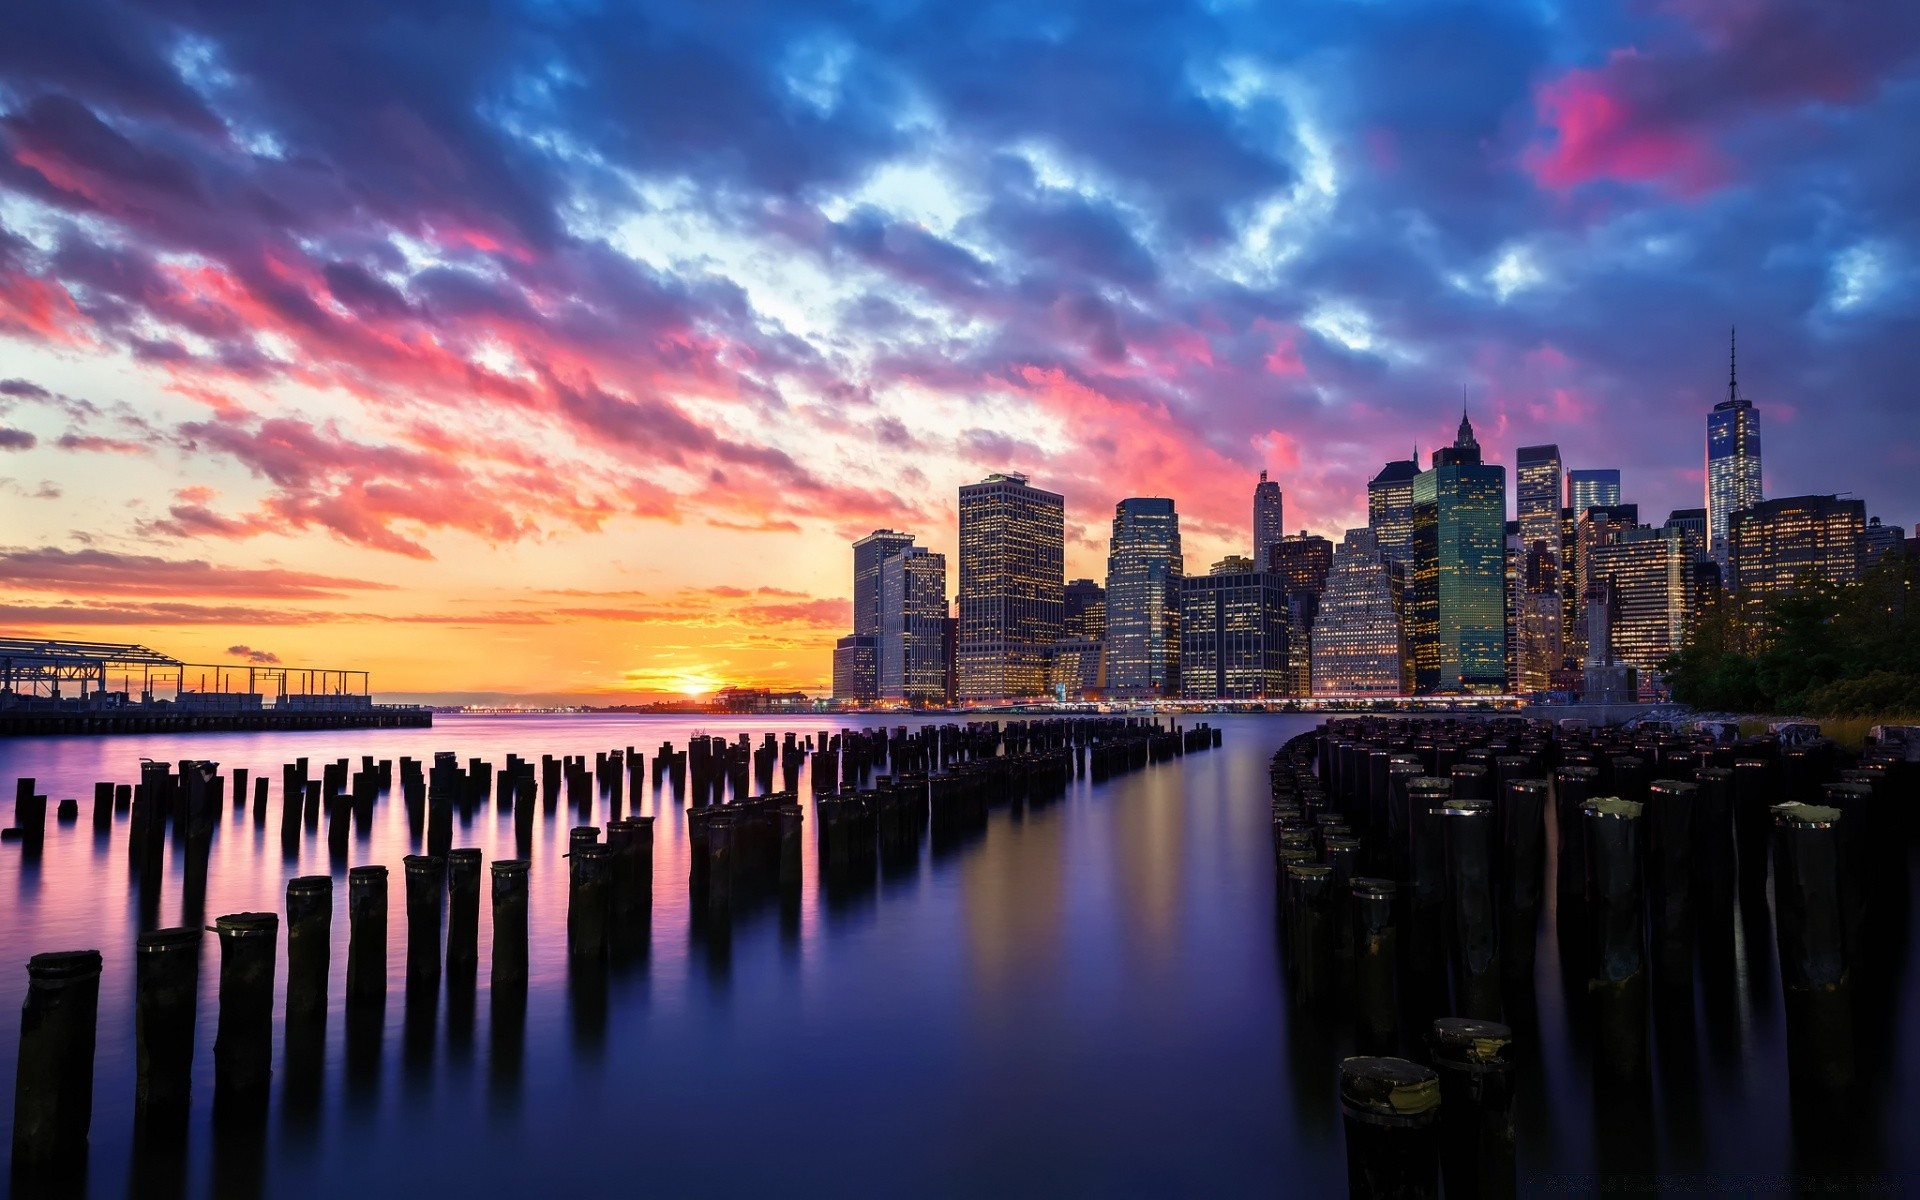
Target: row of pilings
(1417, 860)
(943, 782)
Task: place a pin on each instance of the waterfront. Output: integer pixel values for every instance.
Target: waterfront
(1086, 999)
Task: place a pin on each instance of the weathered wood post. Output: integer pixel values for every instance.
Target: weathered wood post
(1523, 827)
(243, 1040)
(166, 988)
(1375, 964)
(463, 908)
(1617, 981)
(1468, 831)
(366, 933)
(509, 920)
(309, 938)
(426, 876)
(1391, 1109)
(53, 1086)
(1670, 880)
(587, 901)
(1476, 1112)
(1810, 930)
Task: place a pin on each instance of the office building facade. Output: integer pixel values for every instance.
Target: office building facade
(1537, 600)
(855, 678)
(1233, 637)
(868, 553)
(1390, 509)
(1460, 571)
(911, 655)
(1269, 520)
(1084, 611)
(1590, 487)
(1144, 569)
(1648, 577)
(1776, 545)
(1359, 648)
(1012, 580)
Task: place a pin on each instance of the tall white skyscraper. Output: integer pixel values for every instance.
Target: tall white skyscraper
(1733, 462)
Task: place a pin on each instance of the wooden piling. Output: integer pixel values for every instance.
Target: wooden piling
(509, 889)
(166, 989)
(366, 933)
(53, 1084)
(243, 1039)
(1391, 1109)
(1477, 1156)
(463, 908)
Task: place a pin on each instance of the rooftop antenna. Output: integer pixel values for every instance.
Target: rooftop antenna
(1733, 375)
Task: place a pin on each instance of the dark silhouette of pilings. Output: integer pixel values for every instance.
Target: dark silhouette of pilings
(1617, 988)
(166, 989)
(463, 909)
(587, 899)
(1670, 879)
(366, 934)
(1523, 857)
(243, 1041)
(1375, 964)
(1391, 1110)
(426, 876)
(1754, 795)
(1713, 847)
(509, 888)
(1477, 1153)
(1573, 787)
(1811, 932)
(309, 944)
(53, 1083)
(1467, 827)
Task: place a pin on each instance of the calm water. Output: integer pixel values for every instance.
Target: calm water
(1085, 1000)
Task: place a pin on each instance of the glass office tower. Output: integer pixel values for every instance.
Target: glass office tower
(1460, 571)
(1144, 568)
(1012, 576)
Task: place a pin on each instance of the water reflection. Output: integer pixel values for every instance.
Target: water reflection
(1051, 966)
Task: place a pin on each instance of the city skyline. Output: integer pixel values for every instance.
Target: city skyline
(452, 358)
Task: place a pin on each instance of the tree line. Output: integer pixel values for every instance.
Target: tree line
(1823, 650)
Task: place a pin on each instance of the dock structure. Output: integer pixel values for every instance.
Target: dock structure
(65, 688)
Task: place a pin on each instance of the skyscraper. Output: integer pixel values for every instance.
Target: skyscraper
(1775, 544)
(1301, 561)
(1537, 599)
(1359, 647)
(1233, 636)
(854, 675)
(911, 657)
(1144, 568)
(1460, 570)
(1691, 524)
(1390, 509)
(1085, 611)
(1012, 560)
(1648, 572)
(1268, 523)
(1588, 488)
(1733, 461)
(868, 553)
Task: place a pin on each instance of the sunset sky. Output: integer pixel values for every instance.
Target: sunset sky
(558, 349)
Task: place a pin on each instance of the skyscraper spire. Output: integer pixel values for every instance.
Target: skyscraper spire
(1733, 375)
